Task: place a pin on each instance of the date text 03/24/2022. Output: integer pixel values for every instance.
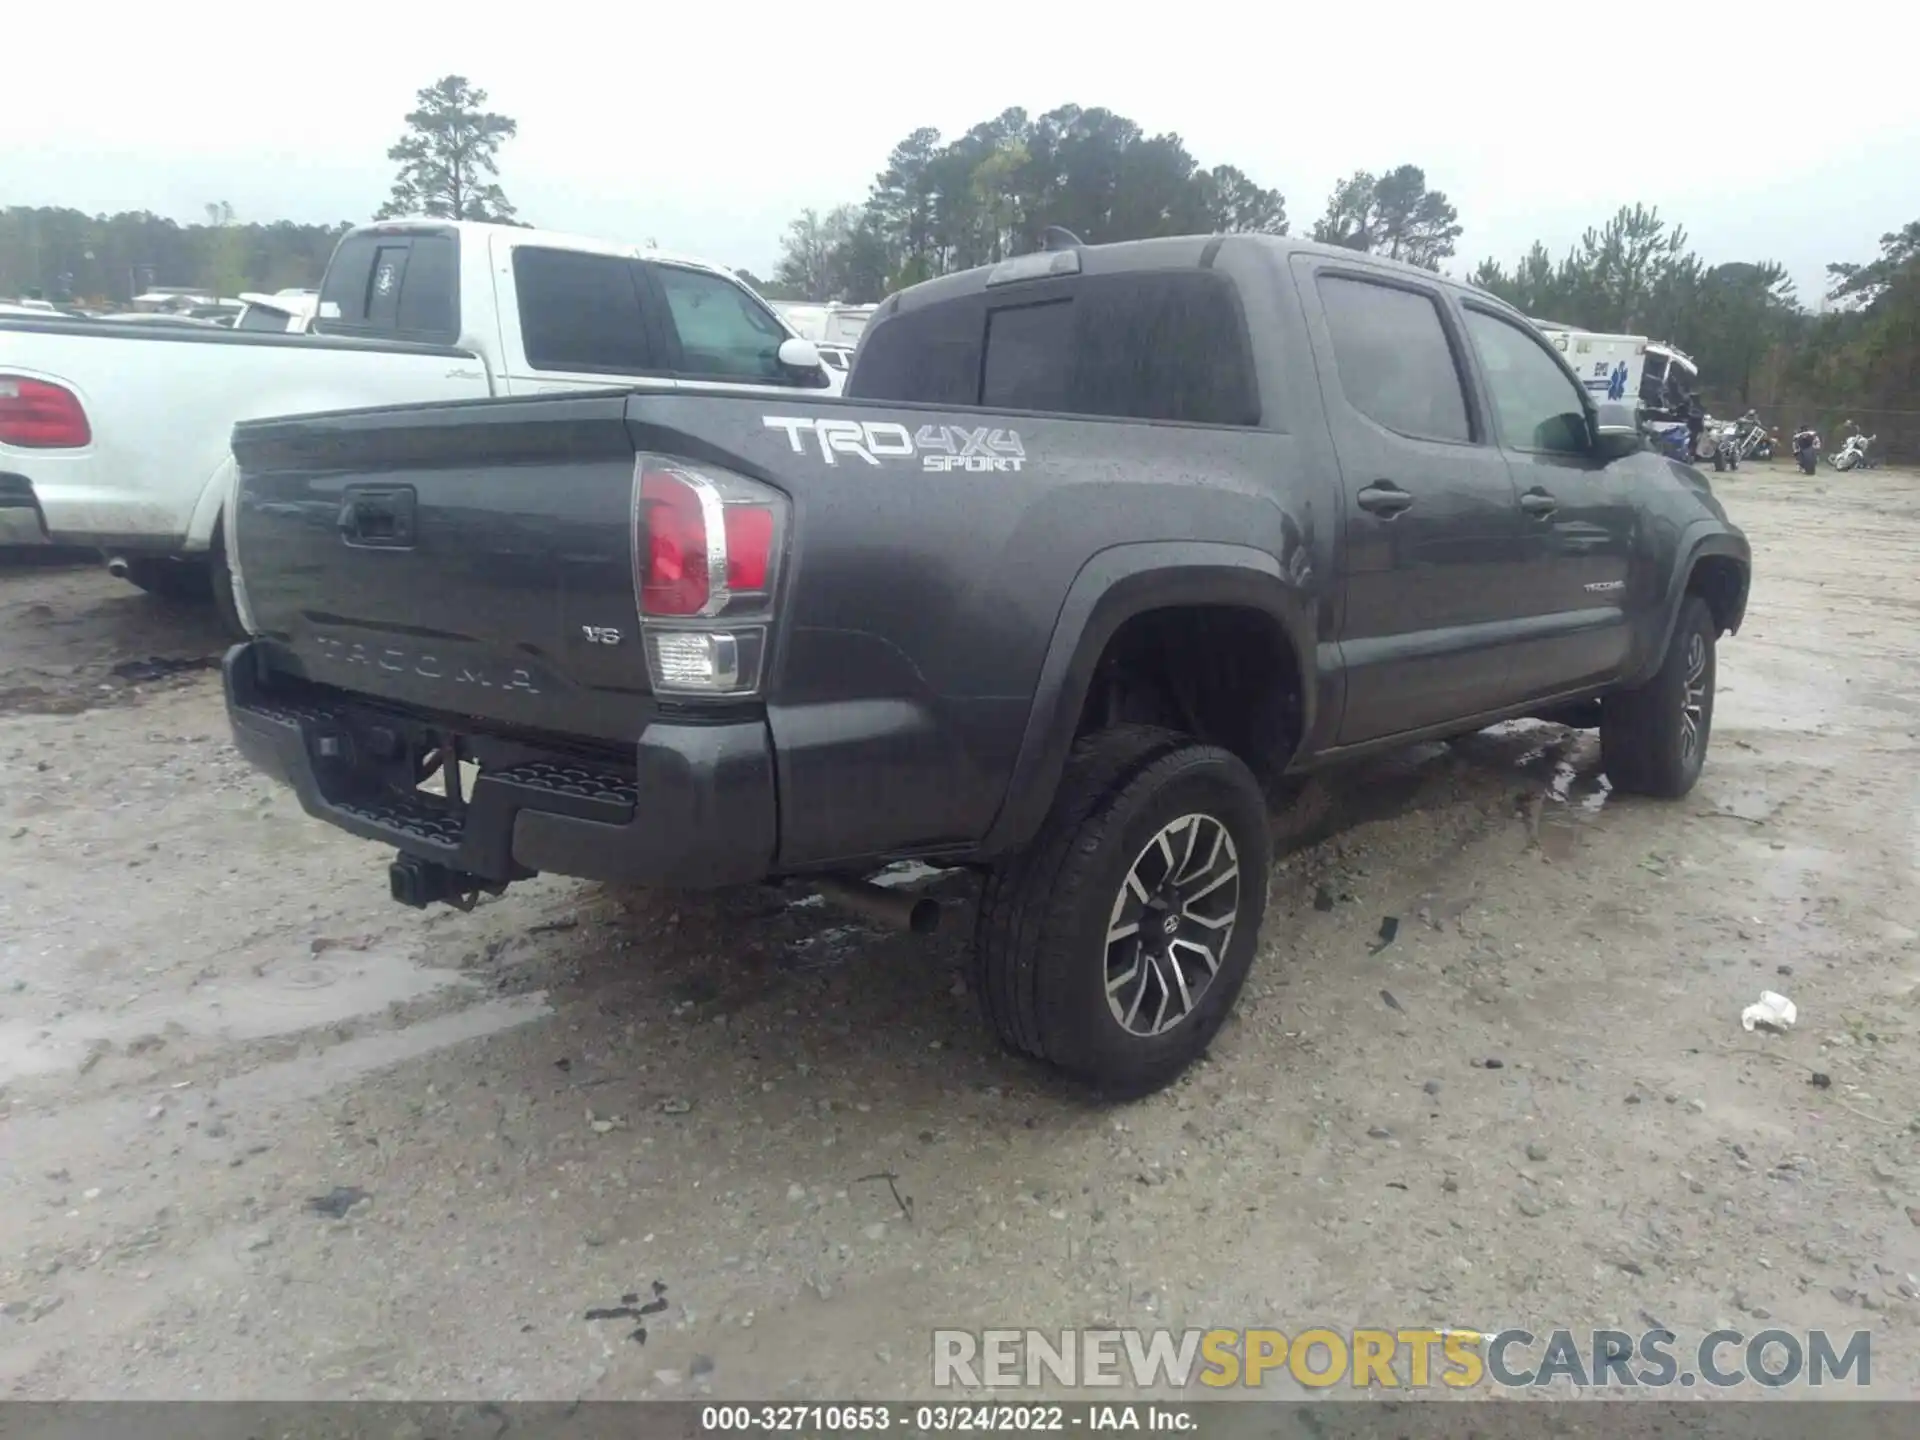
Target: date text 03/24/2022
(945, 1417)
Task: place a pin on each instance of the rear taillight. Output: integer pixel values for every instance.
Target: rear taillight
(37, 415)
(707, 546)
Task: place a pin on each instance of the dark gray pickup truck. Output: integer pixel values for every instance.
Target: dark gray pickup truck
(1100, 545)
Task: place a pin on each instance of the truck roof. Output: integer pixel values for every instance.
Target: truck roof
(527, 235)
(1173, 252)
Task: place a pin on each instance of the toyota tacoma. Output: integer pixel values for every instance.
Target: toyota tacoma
(1100, 546)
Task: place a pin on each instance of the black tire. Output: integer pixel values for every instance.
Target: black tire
(169, 579)
(1042, 950)
(1647, 746)
(1719, 461)
(221, 578)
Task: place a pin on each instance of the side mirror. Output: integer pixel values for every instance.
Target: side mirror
(1616, 430)
(798, 354)
(801, 358)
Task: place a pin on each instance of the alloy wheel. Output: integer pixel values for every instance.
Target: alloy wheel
(1171, 924)
(1693, 704)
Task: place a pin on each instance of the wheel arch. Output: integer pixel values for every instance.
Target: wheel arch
(209, 509)
(1716, 565)
(1114, 588)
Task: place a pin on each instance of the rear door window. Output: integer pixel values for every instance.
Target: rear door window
(1395, 364)
(721, 331)
(581, 312)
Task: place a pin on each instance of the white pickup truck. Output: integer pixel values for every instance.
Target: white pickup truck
(116, 436)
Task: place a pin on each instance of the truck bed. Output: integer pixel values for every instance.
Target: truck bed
(161, 401)
(919, 589)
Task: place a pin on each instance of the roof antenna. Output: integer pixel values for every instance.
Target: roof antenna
(1056, 237)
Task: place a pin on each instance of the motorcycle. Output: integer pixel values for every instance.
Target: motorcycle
(1672, 440)
(1721, 441)
(1855, 454)
(1806, 449)
(1755, 440)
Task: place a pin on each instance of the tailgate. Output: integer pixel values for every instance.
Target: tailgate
(472, 559)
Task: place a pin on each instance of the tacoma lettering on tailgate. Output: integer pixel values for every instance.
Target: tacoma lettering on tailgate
(397, 661)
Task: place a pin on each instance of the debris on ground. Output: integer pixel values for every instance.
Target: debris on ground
(905, 1202)
(1772, 1012)
(338, 1201)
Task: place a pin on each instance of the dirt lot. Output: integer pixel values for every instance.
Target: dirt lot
(210, 1014)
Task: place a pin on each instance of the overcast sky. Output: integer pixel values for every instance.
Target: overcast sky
(707, 126)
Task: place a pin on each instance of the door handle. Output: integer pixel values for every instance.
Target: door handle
(1538, 502)
(377, 516)
(1383, 498)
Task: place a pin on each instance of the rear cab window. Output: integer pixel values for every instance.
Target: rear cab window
(263, 318)
(393, 285)
(1168, 345)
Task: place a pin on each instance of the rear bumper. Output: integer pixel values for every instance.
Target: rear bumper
(694, 809)
(20, 522)
(78, 508)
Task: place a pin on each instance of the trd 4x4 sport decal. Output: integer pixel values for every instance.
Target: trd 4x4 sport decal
(940, 447)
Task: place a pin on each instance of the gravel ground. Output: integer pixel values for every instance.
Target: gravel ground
(1535, 1105)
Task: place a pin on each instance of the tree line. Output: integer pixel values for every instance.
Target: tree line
(1742, 320)
(941, 205)
(446, 165)
(67, 255)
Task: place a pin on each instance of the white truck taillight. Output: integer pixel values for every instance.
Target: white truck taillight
(39, 415)
(707, 545)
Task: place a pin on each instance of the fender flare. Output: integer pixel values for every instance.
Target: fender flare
(211, 505)
(1110, 589)
(1700, 540)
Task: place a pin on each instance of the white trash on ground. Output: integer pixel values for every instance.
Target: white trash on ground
(1770, 1012)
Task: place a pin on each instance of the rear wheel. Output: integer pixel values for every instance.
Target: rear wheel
(1653, 740)
(221, 577)
(1115, 945)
